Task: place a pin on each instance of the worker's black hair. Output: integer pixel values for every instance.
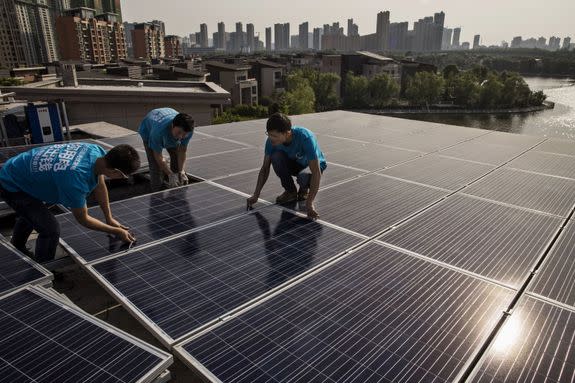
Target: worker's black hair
(124, 158)
(278, 122)
(184, 121)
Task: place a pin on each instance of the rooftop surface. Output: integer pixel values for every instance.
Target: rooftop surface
(442, 253)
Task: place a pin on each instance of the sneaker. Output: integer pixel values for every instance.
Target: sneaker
(286, 197)
(302, 194)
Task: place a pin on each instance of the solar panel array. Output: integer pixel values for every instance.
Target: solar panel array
(432, 239)
(45, 340)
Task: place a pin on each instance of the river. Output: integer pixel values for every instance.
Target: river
(557, 122)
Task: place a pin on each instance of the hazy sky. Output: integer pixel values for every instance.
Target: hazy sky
(494, 20)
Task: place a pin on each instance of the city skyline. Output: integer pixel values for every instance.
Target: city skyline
(504, 23)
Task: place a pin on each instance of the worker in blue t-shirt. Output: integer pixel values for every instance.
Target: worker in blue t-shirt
(292, 151)
(63, 174)
(161, 129)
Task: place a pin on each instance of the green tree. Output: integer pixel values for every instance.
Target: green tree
(10, 81)
(356, 92)
(325, 89)
(491, 91)
(466, 90)
(382, 89)
(450, 71)
(537, 98)
(299, 97)
(516, 92)
(424, 88)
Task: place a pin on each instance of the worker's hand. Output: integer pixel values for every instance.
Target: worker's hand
(311, 212)
(173, 180)
(252, 201)
(183, 178)
(114, 223)
(124, 235)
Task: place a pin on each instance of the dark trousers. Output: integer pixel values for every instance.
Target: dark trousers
(156, 174)
(33, 214)
(286, 168)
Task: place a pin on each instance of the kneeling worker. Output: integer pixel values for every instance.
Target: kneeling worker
(161, 129)
(63, 174)
(292, 151)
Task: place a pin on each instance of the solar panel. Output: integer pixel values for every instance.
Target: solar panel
(225, 164)
(375, 316)
(474, 150)
(372, 203)
(495, 241)
(557, 146)
(556, 278)
(17, 270)
(521, 141)
(203, 146)
(45, 340)
(134, 140)
(329, 144)
(433, 140)
(152, 217)
(534, 191)
(246, 182)
(257, 139)
(178, 286)
(224, 130)
(534, 345)
(546, 163)
(372, 157)
(439, 171)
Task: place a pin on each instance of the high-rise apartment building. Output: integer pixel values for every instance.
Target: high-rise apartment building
(100, 6)
(269, 39)
(303, 38)
(148, 40)
(446, 39)
(476, 40)
(456, 37)
(27, 35)
(86, 37)
(173, 46)
(221, 41)
(317, 32)
(398, 36)
(203, 36)
(251, 38)
(382, 30)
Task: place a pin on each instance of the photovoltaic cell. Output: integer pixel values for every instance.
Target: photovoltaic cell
(375, 316)
(534, 191)
(496, 241)
(187, 282)
(556, 278)
(521, 141)
(473, 150)
(16, 270)
(43, 340)
(246, 182)
(225, 164)
(535, 344)
(133, 140)
(557, 146)
(439, 171)
(201, 147)
(434, 139)
(152, 217)
(372, 203)
(224, 130)
(546, 163)
(372, 157)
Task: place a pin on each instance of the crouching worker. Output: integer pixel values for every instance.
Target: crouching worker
(161, 129)
(292, 152)
(63, 174)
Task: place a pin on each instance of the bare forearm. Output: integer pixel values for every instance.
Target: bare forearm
(182, 152)
(262, 179)
(314, 186)
(101, 195)
(95, 224)
(162, 164)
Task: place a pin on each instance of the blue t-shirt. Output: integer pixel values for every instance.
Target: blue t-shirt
(303, 148)
(62, 173)
(156, 130)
